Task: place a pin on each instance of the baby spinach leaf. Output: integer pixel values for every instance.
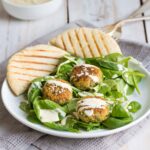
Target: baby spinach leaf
(102, 88)
(60, 127)
(119, 58)
(40, 104)
(35, 92)
(115, 57)
(111, 65)
(129, 89)
(124, 61)
(134, 106)
(25, 106)
(112, 123)
(70, 107)
(46, 104)
(87, 126)
(32, 117)
(123, 87)
(110, 74)
(66, 66)
(119, 112)
(64, 71)
(133, 78)
(128, 77)
(101, 62)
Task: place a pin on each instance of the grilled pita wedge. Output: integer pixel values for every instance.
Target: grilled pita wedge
(86, 42)
(30, 63)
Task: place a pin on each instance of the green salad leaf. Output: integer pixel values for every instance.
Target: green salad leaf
(60, 127)
(112, 123)
(87, 126)
(133, 78)
(119, 81)
(101, 62)
(134, 106)
(47, 104)
(119, 58)
(25, 106)
(115, 57)
(32, 117)
(119, 112)
(111, 74)
(71, 106)
(65, 68)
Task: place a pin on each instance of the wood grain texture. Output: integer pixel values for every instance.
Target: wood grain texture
(147, 24)
(102, 12)
(15, 34)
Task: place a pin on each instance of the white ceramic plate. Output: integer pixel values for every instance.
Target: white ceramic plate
(12, 102)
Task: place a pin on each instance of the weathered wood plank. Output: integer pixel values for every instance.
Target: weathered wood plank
(102, 12)
(4, 25)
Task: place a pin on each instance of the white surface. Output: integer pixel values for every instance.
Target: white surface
(12, 103)
(15, 34)
(31, 12)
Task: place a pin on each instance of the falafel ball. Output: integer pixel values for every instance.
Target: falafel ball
(58, 91)
(85, 76)
(92, 109)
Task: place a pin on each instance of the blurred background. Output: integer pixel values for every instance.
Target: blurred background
(14, 33)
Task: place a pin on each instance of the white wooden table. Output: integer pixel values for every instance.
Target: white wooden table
(15, 34)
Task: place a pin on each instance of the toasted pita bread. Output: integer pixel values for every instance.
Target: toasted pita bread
(30, 63)
(86, 42)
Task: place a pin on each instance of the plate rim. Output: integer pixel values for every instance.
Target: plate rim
(66, 134)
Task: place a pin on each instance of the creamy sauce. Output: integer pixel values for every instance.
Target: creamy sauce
(88, 112)
(85, 72)
(94, 78)
(90, 103)
(61, 84)
(29, 2)
(47, 115)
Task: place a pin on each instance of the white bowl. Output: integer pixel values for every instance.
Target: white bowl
(31, 12)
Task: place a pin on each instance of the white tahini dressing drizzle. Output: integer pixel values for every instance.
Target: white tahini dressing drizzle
(85, 72)
(88, 112)
(47, 115)
(29, 2)
(94, 78)
(89, 103)
(61, 84)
